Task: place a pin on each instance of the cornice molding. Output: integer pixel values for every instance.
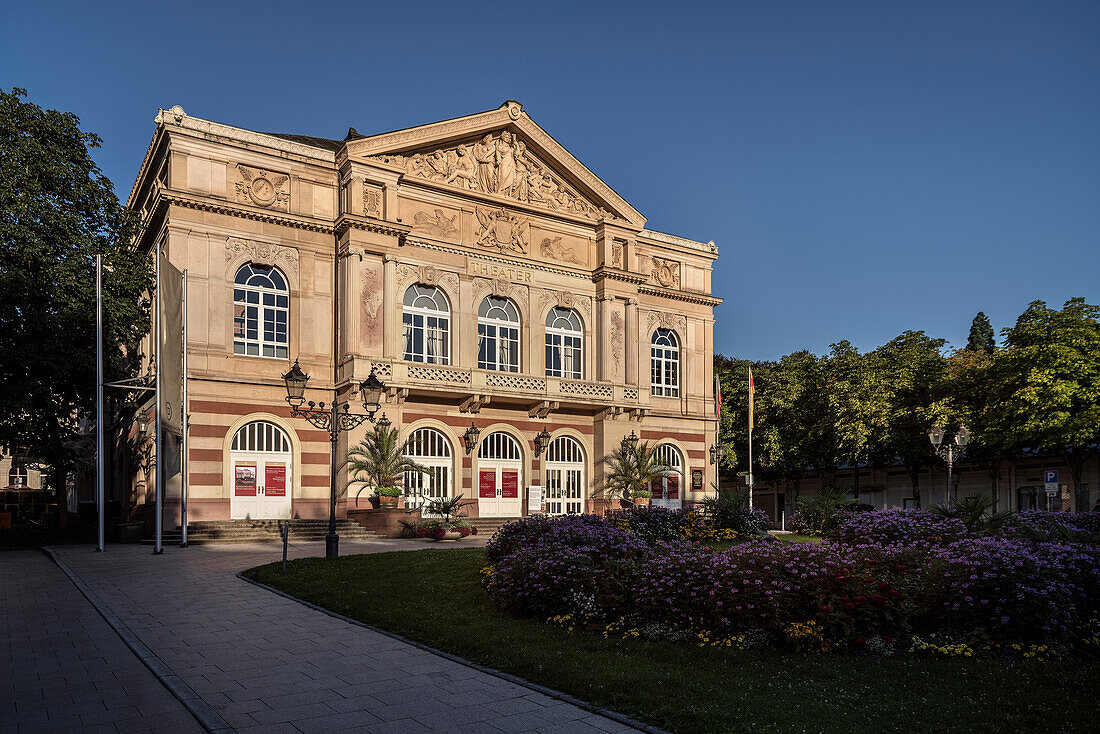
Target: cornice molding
(686, 296)
(368, 224)
(244, 212)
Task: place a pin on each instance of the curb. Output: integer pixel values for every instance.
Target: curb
(204, 714)
(549, 692)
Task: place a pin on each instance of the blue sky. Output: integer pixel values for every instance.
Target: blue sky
(865, 168)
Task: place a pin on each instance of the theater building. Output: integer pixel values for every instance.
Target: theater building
(474, 265)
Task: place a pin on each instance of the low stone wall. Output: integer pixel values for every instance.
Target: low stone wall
(387, 523)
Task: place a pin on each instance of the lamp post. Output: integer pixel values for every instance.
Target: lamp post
(717, 451)
(946, 449)
(335, 419)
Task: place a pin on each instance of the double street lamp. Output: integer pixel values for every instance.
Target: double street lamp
(335, 419)
(946, 449)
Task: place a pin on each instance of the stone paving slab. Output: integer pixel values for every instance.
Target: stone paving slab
(266, 663)
(63, 668)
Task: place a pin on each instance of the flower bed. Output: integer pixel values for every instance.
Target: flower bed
(438, 529)
(897, 527)
(806, 596)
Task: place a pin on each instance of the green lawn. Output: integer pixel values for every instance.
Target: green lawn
(435, 597)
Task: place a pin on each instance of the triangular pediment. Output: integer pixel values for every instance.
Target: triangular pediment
(501, 154)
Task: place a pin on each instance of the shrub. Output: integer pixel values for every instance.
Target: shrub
(653, 524)
(897, 528)
(1044, 526)
(528, 530)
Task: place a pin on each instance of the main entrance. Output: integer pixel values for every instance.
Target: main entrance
(667, 491)
(261, 464)
(499, 476)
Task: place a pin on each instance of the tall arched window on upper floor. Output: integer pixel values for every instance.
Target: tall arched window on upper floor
(17, 477)
(261, 301)
(564, 344)
(665, 363)
(498, 335)
(426, 318)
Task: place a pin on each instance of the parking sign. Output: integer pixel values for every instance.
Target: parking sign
(1050, 479)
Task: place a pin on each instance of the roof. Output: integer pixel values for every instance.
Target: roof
(333, 145)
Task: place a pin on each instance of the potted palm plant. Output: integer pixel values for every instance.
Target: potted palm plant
(380, 462)
(629, 471)
(451, 524)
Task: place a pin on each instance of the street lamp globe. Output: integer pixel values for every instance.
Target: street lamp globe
(542, 440)
(962, 436)
(629, 442)
(936, 435)
(384, 424)
(295, 381)
(371, 389)
(470, 438)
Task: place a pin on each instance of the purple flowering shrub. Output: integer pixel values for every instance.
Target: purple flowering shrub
(898, 528)
(1043, 525)
(1013, 589)
(529, 529)
(652, 524)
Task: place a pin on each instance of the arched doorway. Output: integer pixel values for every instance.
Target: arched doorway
(564, 476)
(261, 465)
(431, 449)
(668, 492)
(499, 476)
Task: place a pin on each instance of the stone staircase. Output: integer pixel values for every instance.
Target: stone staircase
(486, 526)
(264, 531)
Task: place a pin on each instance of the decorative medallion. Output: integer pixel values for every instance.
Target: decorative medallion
(503, 230)
(666, 272)
(262, 188)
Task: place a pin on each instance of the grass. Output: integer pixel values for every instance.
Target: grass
(435, 597)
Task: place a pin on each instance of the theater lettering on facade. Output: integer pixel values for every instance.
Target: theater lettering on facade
(478, 268)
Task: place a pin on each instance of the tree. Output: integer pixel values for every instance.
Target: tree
(858, 407)
(629, 471)
(57, 211)
(981, 335)
(379, 460)
(1049, 378)
(914, 370)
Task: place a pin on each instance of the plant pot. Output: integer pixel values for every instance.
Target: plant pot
(387, 503)
(641, 501)
(452, 535)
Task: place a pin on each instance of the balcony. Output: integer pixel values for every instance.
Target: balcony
(420, 377)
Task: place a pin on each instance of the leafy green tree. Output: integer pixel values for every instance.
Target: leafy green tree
(914, 369)
(57, 211)
(1049, 382)
(981, 335)
(858, 407)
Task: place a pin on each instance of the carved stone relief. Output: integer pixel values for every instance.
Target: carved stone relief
(502, 288)
(565, 299)
(503, 230)
(676, 322)
(262, 253)
(436, 224)
(498, 164)
(553, 249)
(371, 317)
(428, 275)
(617, 330)
(666, 272)
(263, 188)
(372, 201)
(617, 254)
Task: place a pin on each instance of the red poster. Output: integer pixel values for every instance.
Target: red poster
(656, 489)
(509, 485)
(674, 488)
(244, 481)
(275, 480)
(487, 484)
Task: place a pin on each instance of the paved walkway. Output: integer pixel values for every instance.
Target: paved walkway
(268, 664)
(63, 669)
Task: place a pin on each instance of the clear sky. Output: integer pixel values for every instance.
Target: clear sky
(865, 168)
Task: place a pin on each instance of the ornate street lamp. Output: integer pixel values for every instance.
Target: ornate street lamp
(384, 423)
(542, 440)
(629, 442)
(716, 453)
(335, 419)
(946, 449)
(470, 438)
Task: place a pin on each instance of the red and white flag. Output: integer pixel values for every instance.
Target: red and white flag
(717, 397)
(752, 394)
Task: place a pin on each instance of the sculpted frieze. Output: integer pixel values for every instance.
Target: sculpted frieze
(263, 188)
(503, 230)
(675, 322)
(666, 272)
(552, 248)
(436, 224)
(498, 164)
(262, 253)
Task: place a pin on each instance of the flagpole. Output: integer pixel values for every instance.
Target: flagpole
(752, 479)
(99, 489)
(158, 483)
(184, 422)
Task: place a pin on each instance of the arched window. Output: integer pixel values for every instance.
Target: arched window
(431, 449)
(668, 491)
(498, 335)
(17, 477)
(261, 301)
(564, 476)
(665, 363)
(564, 339)
(261, 437)
(426, 317)
(499, 445)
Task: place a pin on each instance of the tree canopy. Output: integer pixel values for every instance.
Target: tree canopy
(57, 212)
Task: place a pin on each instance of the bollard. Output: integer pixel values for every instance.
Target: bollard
(286, 534)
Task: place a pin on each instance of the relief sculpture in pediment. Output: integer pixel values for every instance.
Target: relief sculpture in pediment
(502, 229)
(498, 164)
(555, 250)
(435, 224)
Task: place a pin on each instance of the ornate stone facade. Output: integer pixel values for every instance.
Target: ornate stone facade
(488, 204)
